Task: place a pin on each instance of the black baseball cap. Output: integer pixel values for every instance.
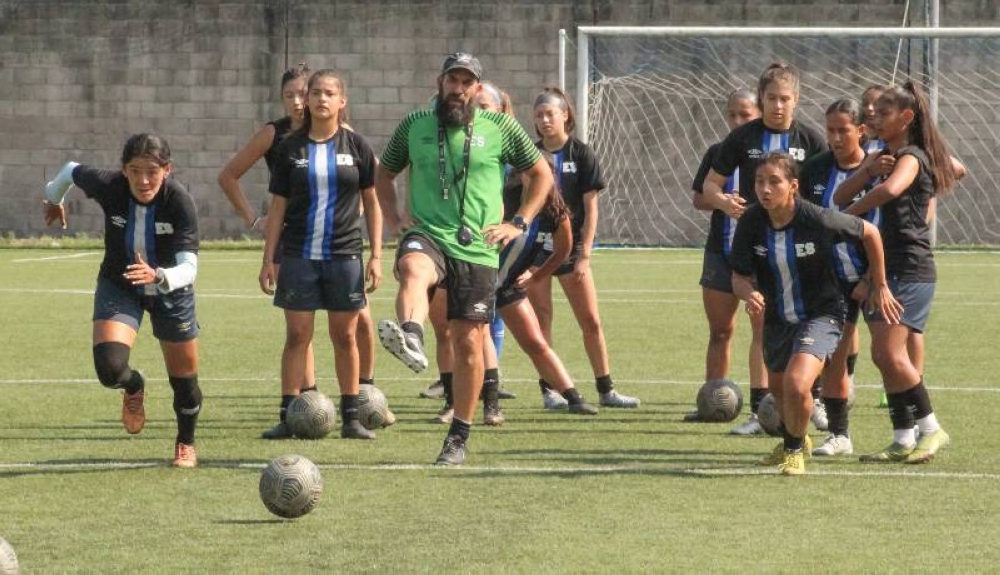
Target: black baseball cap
(463, 61)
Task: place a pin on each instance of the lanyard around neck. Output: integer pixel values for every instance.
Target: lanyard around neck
(459, 178)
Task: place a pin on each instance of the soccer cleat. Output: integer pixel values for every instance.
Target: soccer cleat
(184, 456)
(818, 416)
(406, 347)
(928, 445)
(452, 452)
(582, 408)
(279, 431)
(615, 399)
(506, 394)
(492, 415)
(552, 400)
(749, 427)
(777, 455)
(433, 391)
(444, 416)
(133, 411)
(883, 401)
(692, 417)
(894, 453)
(835, 445)
(354, 430)
(793, 463)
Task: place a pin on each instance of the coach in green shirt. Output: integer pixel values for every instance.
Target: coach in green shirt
(452, 229)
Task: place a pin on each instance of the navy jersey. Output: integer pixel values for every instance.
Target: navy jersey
(576, 172)
(745, 146)
(518, 255)
(721, 227)
(818, 181)
(792, 265)
(282, 128)
(906, 234)
(322, 182)
(156, 231)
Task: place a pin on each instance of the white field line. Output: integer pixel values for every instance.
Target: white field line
(505, 469)
(53, 258)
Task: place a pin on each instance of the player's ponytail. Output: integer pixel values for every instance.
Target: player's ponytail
(300, 71)
(923, 133)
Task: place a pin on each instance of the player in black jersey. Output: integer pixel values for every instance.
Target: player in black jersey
(922, 169)
(578, 180)
(784, 244)
(716, 276)
(150, 263)
(819, 180)
(322, 174)
(300, 376)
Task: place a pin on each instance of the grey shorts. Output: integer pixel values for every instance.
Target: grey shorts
(916, 298)
(852, 307)
(818, 337)
(716, 273)
(336, 284)
(172, 313)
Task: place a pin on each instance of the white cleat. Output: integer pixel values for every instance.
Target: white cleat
(818, 416)
(552, 400)
(749, 427)
(835, 445)
(615, 399)
(405, 347)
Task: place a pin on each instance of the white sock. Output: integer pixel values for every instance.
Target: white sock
(904, 436)
(928, 424)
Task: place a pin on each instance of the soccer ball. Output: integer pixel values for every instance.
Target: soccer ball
(767, 415)
(290, 486)
(8, 559)
(373, 409)
(719, 400)
(311, 415)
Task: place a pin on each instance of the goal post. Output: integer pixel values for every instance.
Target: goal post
(650, 101)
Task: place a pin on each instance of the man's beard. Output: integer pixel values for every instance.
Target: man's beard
(452, 115)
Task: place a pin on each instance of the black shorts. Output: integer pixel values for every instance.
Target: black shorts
(716, 273)
(818, 337)
(470, 286)
(336, 284)
(852, 307)
(567, 266)
(172, 313)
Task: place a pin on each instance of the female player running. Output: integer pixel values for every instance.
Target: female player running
(322, 174)
(785, 244)
(150, 263)
(578, 180)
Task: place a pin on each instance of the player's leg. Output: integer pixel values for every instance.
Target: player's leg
(342, 327)
(492, 414)
(836, 385)
(419, 267)
(796, 409)
(438, 315)
(540, 297)
(117, 316)
(758, 376)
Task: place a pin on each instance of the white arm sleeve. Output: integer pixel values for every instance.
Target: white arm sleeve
(55, 191)
(180, 275)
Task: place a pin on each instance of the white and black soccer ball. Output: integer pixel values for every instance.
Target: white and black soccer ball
(8, 559)
(373, 408)
(767, 415)
(290, 486)
(311, 415)
(719, 400)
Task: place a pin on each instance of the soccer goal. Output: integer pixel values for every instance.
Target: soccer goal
(651, 101)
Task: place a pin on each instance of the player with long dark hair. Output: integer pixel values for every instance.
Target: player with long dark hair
(322, 175)
(784, 245)
(150, 263)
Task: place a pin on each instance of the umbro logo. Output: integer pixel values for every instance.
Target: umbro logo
(118, 221)
(414, 245)
(819, 188)
(754, 153)
(761, 251)
(807, 341)
(302, 163)
(480, 307)
(356, 296)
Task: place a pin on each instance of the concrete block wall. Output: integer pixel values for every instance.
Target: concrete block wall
(78, 77)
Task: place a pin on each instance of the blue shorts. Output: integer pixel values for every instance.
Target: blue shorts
(172, 313)
(716, 273)
(818, 337)
(916, 298)
(337, 284)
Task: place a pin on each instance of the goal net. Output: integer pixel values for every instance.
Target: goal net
(653, 100)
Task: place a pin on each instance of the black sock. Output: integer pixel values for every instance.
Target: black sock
(794, 443)
(899, 411)
(918, 401)
(814, 390)
(757, 394)
(187, 406)
(449, 393)
(851, 361)
(135, 382)
(836, 415)
(491, 386)
(459, 428)
(604, 384)
(348, 408)
(414, 328)
(286, 400)
(543, 386)
(308, 387)
(366, 381)
(572, 396)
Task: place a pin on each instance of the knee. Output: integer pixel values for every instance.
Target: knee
(591, 325)
(296, 337)
(887, 360)
(187, 393)
(111, 364)
(720, 334)
(344, 339)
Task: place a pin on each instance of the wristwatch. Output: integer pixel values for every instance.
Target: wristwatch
(520, 223)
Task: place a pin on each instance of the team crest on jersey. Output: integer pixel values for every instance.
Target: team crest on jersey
(761, 251)
(569, 167)
(754, 153)
(118, 221)
(806, 249)
(164, 228)
(302, 163)
(345, 160)
(798, 153)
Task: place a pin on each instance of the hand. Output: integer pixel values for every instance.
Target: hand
(259, 224)
(524, 279)
(735, 206)
(881, 165)
(755, 304)
(54, 212)
(501, 234)
(268, 277)
(881, 300)
(139, 273)
(581, 268)
(860, 291)
(374, 275)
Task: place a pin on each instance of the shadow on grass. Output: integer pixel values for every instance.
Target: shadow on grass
(250, 521)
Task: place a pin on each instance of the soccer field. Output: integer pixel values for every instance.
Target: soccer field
(627, 491)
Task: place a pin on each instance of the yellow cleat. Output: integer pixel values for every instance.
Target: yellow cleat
(793, 463)
(777, 455)
(928, 445)
(894, 453)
